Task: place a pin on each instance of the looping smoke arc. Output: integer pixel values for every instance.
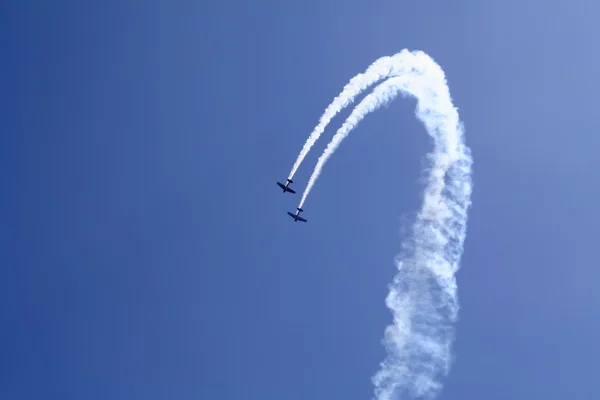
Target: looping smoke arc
(423, 294)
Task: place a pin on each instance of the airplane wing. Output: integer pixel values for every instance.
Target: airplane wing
(285, 189)
(297, 218)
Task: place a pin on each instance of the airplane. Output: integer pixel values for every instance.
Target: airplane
(297, 216)
(286, 188)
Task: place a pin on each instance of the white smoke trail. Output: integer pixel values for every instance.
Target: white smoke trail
(423, 295)
(380, 69)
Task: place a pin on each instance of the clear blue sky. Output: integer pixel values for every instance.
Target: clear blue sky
(146, 253)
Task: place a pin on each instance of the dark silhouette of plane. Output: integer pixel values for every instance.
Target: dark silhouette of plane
(297, 216)
(285, 187)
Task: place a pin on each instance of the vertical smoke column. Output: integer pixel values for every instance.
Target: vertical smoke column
(423, 295)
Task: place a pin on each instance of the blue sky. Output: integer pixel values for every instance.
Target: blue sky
(146, 251)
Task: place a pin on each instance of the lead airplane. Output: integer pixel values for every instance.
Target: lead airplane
(285, 187)
(297, 216)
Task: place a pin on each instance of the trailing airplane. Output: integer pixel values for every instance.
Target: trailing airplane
(297, 216)
(285, 187)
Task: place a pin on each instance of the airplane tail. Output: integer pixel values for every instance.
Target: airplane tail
(299, 209)
(290, 181)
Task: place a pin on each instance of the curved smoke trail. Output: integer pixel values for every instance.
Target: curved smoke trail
(423, 295)
(380, 69)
